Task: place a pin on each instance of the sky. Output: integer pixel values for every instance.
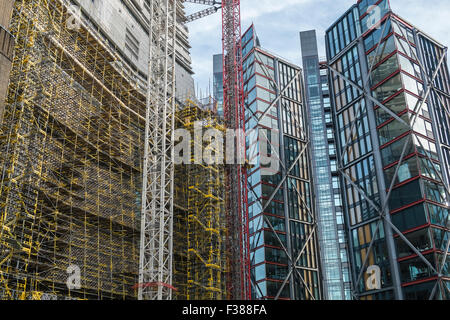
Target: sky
(278, 23)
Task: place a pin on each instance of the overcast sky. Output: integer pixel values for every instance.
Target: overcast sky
(278, 23)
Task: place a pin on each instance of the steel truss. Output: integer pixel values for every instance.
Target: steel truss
(156, 250)
(382, 210)
(234, 111)
(286, 171)
(213, 7)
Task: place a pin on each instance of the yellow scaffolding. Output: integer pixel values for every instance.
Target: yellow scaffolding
(199, 223)
(71, 146)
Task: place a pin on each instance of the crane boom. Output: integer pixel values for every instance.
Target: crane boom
(201, 14)
(205, 2)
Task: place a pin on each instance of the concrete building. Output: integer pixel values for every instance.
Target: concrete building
(327, 191)
(282, 222)
(125, 24)
(218, 82)
(72, 146)
(6, 50)
(390, 96)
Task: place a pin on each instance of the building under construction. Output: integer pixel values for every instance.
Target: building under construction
(72, 144)
(200, 262)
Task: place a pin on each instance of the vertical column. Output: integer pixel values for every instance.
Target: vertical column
(155, 266)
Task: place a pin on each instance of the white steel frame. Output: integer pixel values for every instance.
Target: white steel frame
(156, 247)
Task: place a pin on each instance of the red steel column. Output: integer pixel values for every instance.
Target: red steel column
(234, 111)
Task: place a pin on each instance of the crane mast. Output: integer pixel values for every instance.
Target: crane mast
(156, 247)
(238, 243)
(238, 283)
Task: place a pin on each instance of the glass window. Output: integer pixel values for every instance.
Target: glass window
(274, 287)
(248, 47)
(423, 127)
(408, 169)
(421, 240)
(392, 152)
(384, 70)
(438, 214)
(250, 84)
(271, 239)
(375, 36)
(265, 59)
(276, 272)
(259, 272)
(406, 194)
(410, 218)
(386, 48)
(434, 192)
(266, 71)
(259, 256)
(425, 147)
(248, 61)
(393, 130)
(409, 66)
(388, 88)
(396, 105)
(412, 85)
(415, 269)
(276, 255)
(331, 45)
(420, 291)
(406, 49)
(440, 239)
(247, 36)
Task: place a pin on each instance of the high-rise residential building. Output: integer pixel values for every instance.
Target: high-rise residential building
(390, 95)
(335, 268)
(218, 82)
(6, 50)
(282, 222)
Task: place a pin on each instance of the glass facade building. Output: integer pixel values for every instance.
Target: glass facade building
(327, 193)
(218, 82)
(390, 96)
(282, 222)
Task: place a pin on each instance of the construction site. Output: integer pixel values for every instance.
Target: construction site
(82, 181)
(96, 98)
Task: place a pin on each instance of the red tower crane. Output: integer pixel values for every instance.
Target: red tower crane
(238, 243)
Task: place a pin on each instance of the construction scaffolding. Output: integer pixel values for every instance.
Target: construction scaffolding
(71, 150)
(200, 228)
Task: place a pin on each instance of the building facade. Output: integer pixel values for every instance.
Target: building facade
(6, 50)
(335, 268)
(218, 82)
(125, 25)
(282, 223)
(389, 87)
(71, 150)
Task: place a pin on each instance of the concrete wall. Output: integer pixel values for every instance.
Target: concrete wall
(114, 17)
(6, 51)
